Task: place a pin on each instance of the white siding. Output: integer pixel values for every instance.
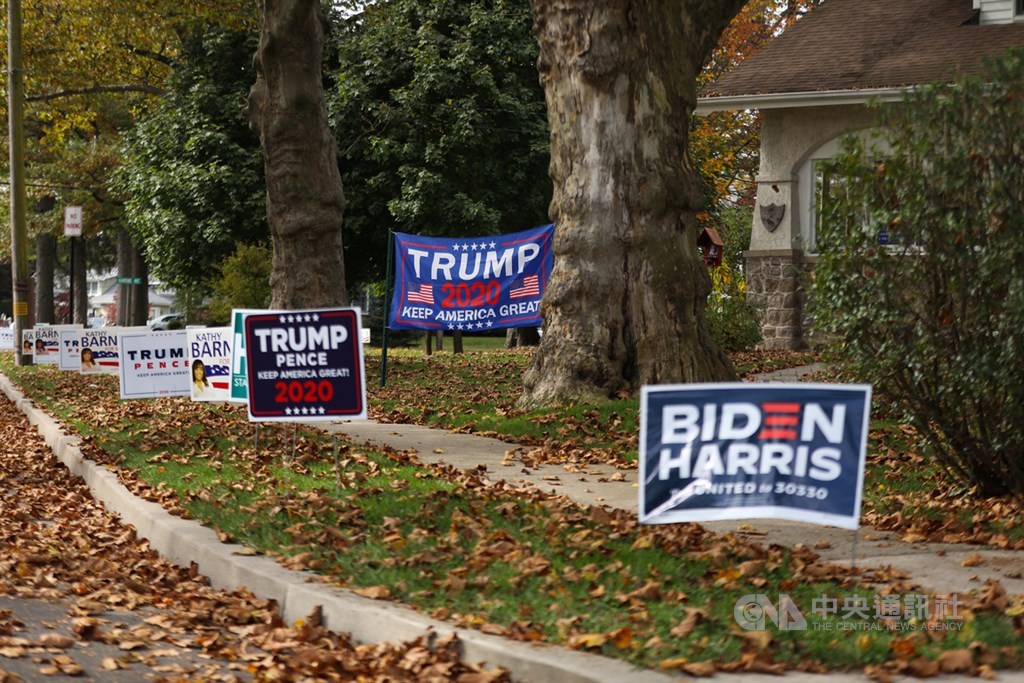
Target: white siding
(996, 11)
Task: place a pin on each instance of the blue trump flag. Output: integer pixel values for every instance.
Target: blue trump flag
(470, 284)
(736, 451)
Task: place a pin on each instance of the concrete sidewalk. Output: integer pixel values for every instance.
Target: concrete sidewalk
(935, 566)
(299, 593)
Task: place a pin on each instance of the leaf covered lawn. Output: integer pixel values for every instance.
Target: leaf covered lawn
(515, 562)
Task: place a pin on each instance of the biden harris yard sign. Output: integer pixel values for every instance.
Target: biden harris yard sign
(470, 284)
(736, 451)
(305, 366)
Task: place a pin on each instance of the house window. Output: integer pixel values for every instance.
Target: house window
(821, 184)
(1019, 10)
(829, 187)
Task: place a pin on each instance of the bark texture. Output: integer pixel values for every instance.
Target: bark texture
(625, 303)
(46, 254)
(124, 269)
(80, 306)
(138, 313)
(305, 201)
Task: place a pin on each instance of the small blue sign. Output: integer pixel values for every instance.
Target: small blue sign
(305, 366)
(738, 451)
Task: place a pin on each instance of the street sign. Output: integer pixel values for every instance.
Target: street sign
(72, 221)
(129, 280)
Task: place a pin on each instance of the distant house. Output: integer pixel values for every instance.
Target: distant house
(102, 287)
(811, 86)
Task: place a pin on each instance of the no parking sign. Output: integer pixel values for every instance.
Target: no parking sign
(305, 366)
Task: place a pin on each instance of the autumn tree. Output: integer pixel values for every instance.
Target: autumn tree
(725, 144)
(305, 201)
(192, 175)
(625, 303)
(92, 66)
(440, 121)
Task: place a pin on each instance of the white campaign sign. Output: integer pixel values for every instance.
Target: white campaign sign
(153, 364)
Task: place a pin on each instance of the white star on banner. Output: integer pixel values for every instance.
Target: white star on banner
(492, 245)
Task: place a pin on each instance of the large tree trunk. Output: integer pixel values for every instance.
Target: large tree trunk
(46, 254)
(521, 336)
(139, 311)
(625, 303)
(80, 306)
(124, 269)
(304, 195)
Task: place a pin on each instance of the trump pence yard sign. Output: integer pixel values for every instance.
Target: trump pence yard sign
(735, 451)
(305, 366)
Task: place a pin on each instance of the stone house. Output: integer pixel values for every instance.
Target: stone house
(811, 86)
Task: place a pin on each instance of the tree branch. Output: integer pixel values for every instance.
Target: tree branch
(96, 90)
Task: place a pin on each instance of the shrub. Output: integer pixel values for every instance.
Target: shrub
(734, 323)
(920, 284)
(243, 281)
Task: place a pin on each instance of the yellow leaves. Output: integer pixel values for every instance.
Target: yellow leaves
(621, 638)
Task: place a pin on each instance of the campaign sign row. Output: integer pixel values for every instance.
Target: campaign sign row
(297, 366)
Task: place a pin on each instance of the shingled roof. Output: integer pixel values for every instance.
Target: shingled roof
(867, 45)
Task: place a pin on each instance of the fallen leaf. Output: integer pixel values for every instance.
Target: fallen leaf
(955, 661)
(56, 640)
(374, 592)
(973, 561)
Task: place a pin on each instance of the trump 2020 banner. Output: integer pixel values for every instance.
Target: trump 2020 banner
(304, 366)
(738, 451)
(470, 284)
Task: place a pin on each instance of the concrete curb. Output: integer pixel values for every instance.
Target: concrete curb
(185, 542)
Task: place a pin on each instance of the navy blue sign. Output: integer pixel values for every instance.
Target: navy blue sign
(305, 366)
(470, 284)
(737, 451)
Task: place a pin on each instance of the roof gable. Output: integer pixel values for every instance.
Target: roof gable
(868, 45)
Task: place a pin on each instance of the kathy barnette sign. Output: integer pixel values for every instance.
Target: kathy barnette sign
(305, 366)
(470, 284)
(737, 451)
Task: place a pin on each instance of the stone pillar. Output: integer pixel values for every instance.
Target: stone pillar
(775, 288)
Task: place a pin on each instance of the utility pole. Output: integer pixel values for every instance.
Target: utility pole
(19, 231)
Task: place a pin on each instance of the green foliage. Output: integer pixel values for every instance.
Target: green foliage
(192, 178)
(934, 317)
(244, 282)
(735, 324)
(440, 122)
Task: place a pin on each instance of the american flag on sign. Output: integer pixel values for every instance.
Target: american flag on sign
(109, 358)
(424, 294)
(523, 287)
